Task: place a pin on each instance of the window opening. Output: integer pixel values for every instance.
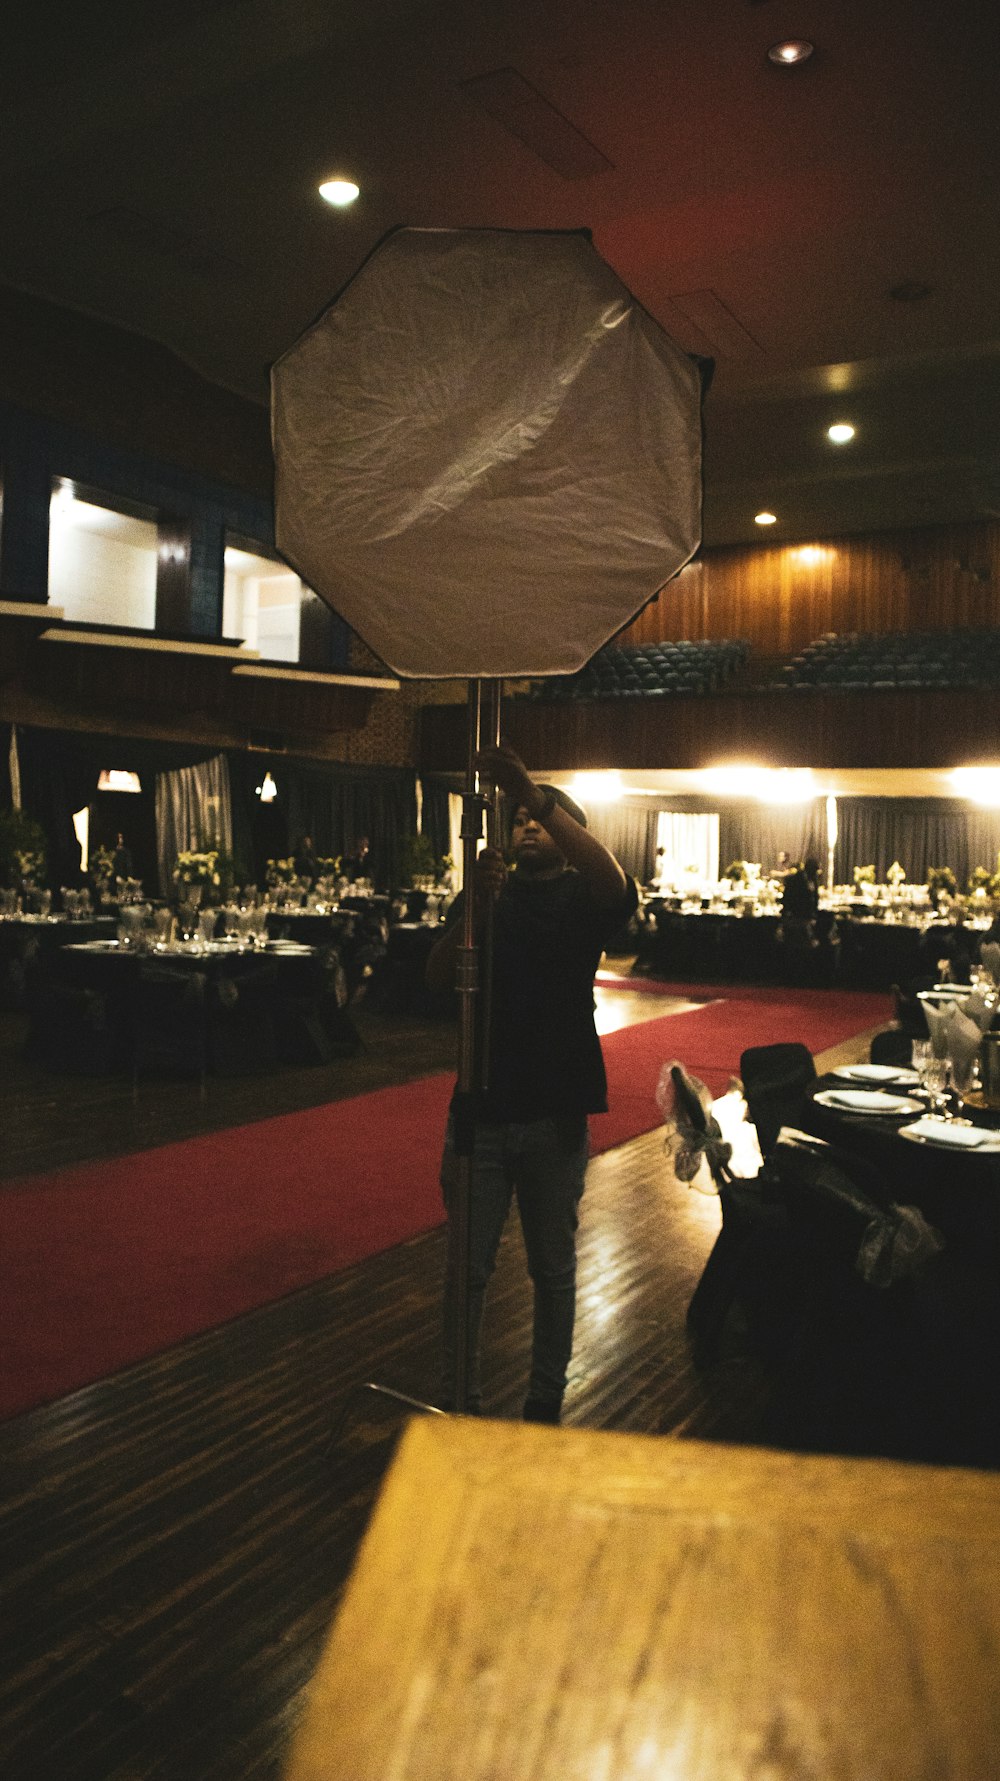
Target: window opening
(102, 557)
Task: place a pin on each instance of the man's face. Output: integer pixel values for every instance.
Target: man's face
(533, 847)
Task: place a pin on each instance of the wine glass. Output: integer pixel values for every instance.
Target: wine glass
(935, 1080)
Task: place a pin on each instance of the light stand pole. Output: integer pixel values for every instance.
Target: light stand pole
(474, 984)
(474, 989)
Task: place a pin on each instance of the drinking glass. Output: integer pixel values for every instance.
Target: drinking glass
(935, 1081)
(921, 1053)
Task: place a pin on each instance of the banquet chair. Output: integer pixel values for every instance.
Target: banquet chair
(909, 1009)
(775, 1081)
(750, 1244)
(169, 1029)
(859, 1372)
(892, 1046)
(242, 1035)
(70, 1030)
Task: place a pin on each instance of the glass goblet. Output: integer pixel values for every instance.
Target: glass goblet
(935, 1080)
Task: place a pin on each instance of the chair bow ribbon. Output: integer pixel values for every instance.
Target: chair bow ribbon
(688, 1144)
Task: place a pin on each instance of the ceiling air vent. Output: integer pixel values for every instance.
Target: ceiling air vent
(522, 110)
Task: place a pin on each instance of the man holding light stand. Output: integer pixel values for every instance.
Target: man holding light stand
(553, 914)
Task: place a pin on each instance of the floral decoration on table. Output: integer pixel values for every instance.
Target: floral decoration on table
(198, 868)
(281, 872)
(896, 875)
(941, 882)
(864, 875)
(983, 882)
(738, 872)
(22, 849)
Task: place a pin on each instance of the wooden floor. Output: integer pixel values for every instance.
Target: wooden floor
(174, 1539)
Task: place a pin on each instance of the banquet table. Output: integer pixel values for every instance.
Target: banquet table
(24, 937)
(288, 980)
(957, 1190)
(333, 927)
(728, 946)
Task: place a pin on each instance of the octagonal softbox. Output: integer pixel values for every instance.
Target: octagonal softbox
(488, 456)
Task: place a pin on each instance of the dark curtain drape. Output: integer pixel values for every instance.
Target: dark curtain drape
(335, 804)
(919, 833)
(628, 830)
(760, 832)
(434, 812)
(59, 774)
(6, 793)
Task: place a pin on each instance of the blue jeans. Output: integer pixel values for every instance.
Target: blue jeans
(543, 1163)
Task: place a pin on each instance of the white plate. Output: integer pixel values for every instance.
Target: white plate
(945, 1135)
(899, 1073)
(861, 1100)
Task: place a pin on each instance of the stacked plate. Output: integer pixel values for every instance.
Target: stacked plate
(866, 1100)
(948, 1134)
(879, 1074)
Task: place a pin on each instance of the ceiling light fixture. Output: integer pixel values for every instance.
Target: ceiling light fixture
(770, 785)
(339, 192)
(981, 785)
(790, 51)
(598, 788)
(118, 779)
(765, 519)
(840, 432)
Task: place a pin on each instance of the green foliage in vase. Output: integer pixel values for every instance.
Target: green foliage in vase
(22, 849)
(941, 881)
(736, 872)
(417, 859)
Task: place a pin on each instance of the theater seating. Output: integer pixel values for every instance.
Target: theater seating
(857, 661)
(650, 670)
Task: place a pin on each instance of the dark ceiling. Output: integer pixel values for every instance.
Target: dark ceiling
(828, 233)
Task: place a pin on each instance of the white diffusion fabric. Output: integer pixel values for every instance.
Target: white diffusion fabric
(488, 456)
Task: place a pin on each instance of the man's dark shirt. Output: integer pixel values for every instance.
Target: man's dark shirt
(545, 1056)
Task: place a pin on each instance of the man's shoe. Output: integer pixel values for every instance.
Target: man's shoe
(542, 1410)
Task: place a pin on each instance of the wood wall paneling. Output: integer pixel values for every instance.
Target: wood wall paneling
(779, 597)
(780, 729)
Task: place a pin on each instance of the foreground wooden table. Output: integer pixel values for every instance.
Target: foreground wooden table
(545, 1603)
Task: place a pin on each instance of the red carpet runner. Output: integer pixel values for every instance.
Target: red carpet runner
(108, 1262)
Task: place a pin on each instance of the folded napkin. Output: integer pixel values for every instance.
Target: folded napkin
(962, 1047)
(938, 1022)
(942, 1131)
(979, 1008)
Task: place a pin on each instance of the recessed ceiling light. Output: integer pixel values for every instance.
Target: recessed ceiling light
(765, 519)
(790, 51)
(339, 192)
(840, 433)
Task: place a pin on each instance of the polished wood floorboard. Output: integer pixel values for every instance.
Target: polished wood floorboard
(174, 1539)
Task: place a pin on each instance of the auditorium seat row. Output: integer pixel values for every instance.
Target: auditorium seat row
(651, 670)
(866, 662)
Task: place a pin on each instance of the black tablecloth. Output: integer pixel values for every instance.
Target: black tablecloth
(23, 941)
(957, 1191)
(89, 1012)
